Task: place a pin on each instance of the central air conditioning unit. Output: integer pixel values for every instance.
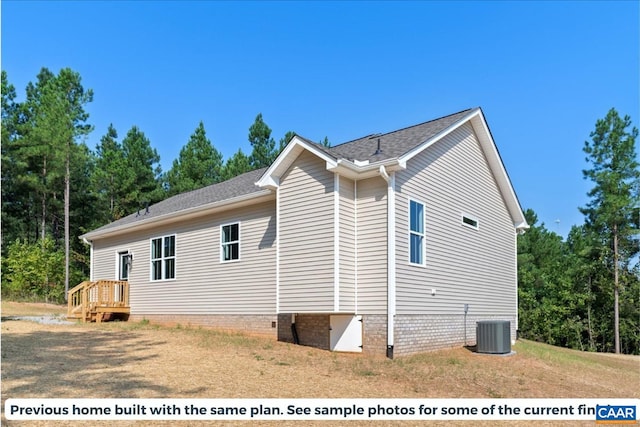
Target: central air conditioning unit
(493, 336)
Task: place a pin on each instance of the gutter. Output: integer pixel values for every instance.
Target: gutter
(350, 170)
(390, 178)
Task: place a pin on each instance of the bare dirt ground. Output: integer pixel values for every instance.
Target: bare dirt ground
(138, 360)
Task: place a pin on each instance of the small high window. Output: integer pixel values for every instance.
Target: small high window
(230, 241)
(469, 221)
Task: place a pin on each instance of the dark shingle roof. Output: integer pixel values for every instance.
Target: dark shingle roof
(393, 144)
(241, 185)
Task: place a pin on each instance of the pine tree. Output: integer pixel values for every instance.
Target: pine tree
(236, 165)
(37, 153)
(285, 140)
(111, 176)
(142, 165)
(264, 151)
(611, 153)
(14, 202)
(325, 142)
(50, 122)
(199, 164)
(69, 99)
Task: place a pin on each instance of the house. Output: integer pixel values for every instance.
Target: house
(393, 243)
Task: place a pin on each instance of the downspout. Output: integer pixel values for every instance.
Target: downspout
(391, 256)
(278, 251)
(336, 242)
(90, 243)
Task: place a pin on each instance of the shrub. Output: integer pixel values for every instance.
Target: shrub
(33, 271)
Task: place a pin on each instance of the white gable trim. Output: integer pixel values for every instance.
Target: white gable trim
(359, 170)
(479, 124)
(348, 169)
(497, 167)
(271, 177)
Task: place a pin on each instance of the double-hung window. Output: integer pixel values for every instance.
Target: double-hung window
(230, 242)
(163, 258)
(416, 232)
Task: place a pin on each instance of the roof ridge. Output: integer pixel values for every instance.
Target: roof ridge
(424, 123)
(371, 135)
(355, 139)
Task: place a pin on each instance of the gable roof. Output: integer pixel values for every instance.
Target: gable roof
(360, 158)
(396, 143)
(356, 159)
(232, 191)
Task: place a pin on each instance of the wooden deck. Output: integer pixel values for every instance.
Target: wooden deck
(99, 300)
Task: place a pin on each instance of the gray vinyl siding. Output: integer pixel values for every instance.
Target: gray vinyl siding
(105, 255)
(306, 233)
(347, 245)
(203, 285)
(463, 265)
(372, 245)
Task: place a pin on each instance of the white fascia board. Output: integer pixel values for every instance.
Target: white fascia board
(479, 124)
(271, 182)
(352, 171)
(209, 208)
(271, 177)
(437, 137)
(497, 167)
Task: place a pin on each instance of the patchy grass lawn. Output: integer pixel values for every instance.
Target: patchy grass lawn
(12, 308)
(139, 360)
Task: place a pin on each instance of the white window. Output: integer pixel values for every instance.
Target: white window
(230, 242)
(470, 221)
(163, 258)
(416, 232)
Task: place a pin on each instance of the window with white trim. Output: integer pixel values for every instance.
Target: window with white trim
(416, 232)
(163, 258)
(470, 221)
(230, 242)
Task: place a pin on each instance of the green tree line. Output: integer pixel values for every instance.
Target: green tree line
(582, 292)
(55, 188)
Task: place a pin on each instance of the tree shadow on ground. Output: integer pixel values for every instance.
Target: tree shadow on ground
(83, 363)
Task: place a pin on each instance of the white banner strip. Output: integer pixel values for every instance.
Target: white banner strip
(603, 410)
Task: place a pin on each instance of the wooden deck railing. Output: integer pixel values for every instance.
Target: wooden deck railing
(91, 300)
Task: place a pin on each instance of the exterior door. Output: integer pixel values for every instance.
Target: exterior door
(124, 264)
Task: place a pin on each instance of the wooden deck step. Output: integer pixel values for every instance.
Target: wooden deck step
(98, 300)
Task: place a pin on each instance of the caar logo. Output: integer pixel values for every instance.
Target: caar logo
(616, 415)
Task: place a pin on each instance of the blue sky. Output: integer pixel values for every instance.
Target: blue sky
(543, 73)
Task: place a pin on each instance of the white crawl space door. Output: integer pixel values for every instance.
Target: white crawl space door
(345, 333)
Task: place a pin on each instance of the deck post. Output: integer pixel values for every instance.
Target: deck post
(93, 300)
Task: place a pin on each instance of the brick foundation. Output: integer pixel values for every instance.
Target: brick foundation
(313, 329)
(374, 331)
(252, 323)
(413, 333)
(419, 333)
